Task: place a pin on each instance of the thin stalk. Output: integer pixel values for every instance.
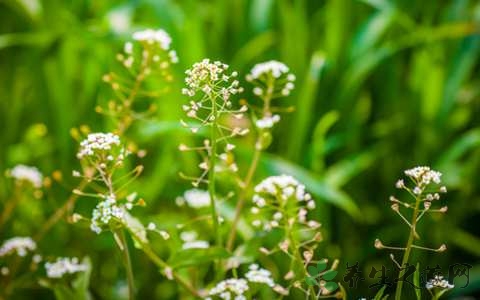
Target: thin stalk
(211, 173)
(60, 213)
(127, 263)
(251, 171)
(408, 248)
(163, 265)
(243, 196)
(300, 259)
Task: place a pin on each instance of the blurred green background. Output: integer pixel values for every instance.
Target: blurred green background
(382, 86)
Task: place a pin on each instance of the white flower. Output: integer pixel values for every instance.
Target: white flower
(197, 198)
(19, 245)
(439, 282)
(267, 121)
(262, 74)
(64, 266)
(258, 275)
(151, 226)
(224, 289)
(160, 36)
(208, 77)
(281, 191)
(104, 212)
(28, 174)
(273, 67)
(195, 245)
(424, 175)
(97, 143)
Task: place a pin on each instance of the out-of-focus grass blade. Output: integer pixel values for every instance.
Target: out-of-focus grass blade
(342, 172)
(465, 143)
(361, 68)
(36, 39)
(319, 139)
(253, 49)
(260, 14)
(371, 32)
(461, 66)
(305, 105)
(317, 186)
(337, 18)
(466, 241)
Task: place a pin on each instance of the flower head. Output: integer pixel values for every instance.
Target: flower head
(195, 198)
(23, 173)
(424, 175)
(102, 150)
(150, 36)
(438, 282)
(271, 78)
(64, 265)
(258, 275)
(285, 199)
(230, 287)
(105, 212)
(19, 245)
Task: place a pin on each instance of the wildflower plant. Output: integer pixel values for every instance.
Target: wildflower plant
(271, 80)
(424, 188)
(210, 87)
(149, 55)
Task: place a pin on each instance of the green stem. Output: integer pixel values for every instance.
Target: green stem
(128, 264)
(300, 260)
(243, 195)
(408, 248)
(211, 173)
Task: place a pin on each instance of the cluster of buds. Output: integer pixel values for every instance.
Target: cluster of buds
(149, 54)
(281, 201)
(103, 152)
(236, 288)
(210, 87)
(271, 78)
(64, 266)
(426, 187)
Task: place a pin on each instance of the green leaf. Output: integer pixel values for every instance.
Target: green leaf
(321, 265)
(329, 275)
(310, 281)
(331, 286)
(312, 270)
(380, 292)
(192, 257)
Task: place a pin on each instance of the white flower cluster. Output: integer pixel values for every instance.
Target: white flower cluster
(28, 174)
(439, 282)
(230, 287)
(282, 194)
(267, 121)
(159, 36)
(19, 245)
(258, 275)
(424, 175)
(210, 78)
(190, 241)
(98, 143)
(64, 265)
(104, 212)
(263, 74)
(195, 198)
